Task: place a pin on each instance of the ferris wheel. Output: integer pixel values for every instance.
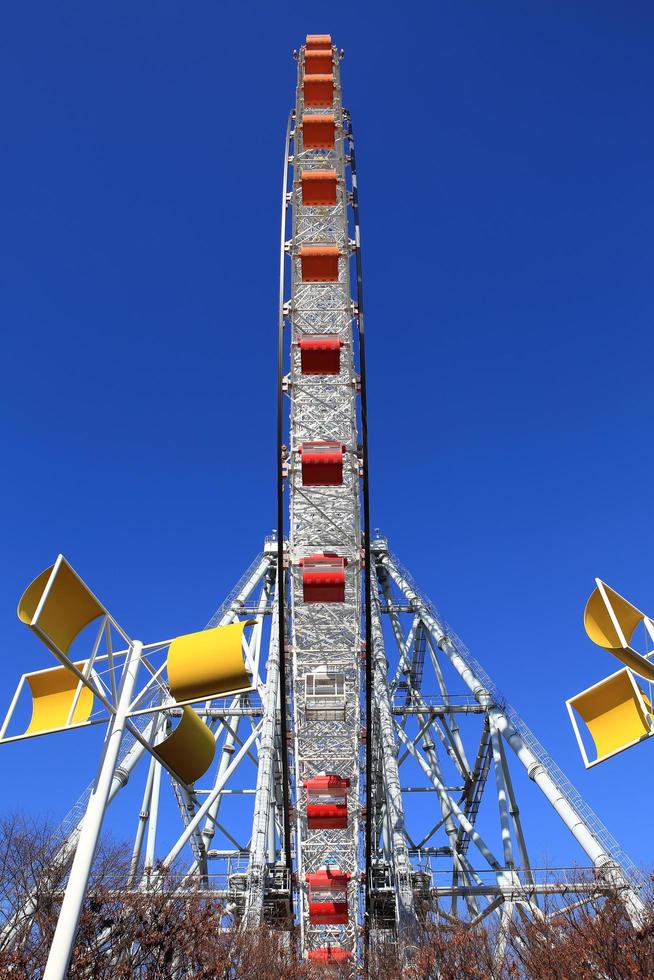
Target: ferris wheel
(326, 694)
(323, 459)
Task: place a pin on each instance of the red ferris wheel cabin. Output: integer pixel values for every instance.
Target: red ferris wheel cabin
(319, 188)
(327, 802)
(330, 954)
(328, 896)
(318, 91)
(322, 464)
(318, 61)
(320, 354)
(323, 577)
(319, 263)
(318, 132)
(317, 41)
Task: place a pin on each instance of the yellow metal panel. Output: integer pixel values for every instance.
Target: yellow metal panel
(189, 750)
(602, 631)
(598, 622)
(208, 663)
(53, 692)
(69, 607)
(613, 714)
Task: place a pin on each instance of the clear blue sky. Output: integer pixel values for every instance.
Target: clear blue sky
(505, 159)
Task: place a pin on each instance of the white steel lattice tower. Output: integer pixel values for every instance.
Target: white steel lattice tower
(324, 544)
(364, 699)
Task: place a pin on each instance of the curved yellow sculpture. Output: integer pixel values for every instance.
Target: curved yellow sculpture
(53, 693)
(68, 608)
(613, 713)
(614, 633)
(189, 749)
(208, 663)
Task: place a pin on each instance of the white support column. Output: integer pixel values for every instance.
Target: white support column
(151, 842)
(502, 797)
(263, 807)
(142, 822)
(64, 853)
(64, 937)
(453, 724)
(451, 828)
(271, 846)
(514, 810)
(405, 913)
(604, 863)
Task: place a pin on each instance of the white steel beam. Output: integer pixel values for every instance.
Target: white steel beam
(262, 826)
(399, 854)
(67, 923)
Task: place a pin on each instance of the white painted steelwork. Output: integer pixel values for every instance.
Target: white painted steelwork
(438, 740)
(325, 638)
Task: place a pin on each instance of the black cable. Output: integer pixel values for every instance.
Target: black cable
(366, 519)
(280, 524)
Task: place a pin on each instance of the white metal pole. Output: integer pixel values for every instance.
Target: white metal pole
(271, 845)
(502, 797)
(151, 840)
(143, 819)
(406, 920)
(64, 937)
(450, 826)
(265, 774)
(603, 862)
(514, 810)
(12, 707)
(63, 853)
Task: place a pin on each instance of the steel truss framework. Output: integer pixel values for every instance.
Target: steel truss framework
(325, 638)
(410, 713)
(439, 716)
(243, 788)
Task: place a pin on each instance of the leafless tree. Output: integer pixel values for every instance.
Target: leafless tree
(595, 940)
(163, 932)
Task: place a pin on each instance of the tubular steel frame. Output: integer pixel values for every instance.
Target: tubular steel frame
(436, 716)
